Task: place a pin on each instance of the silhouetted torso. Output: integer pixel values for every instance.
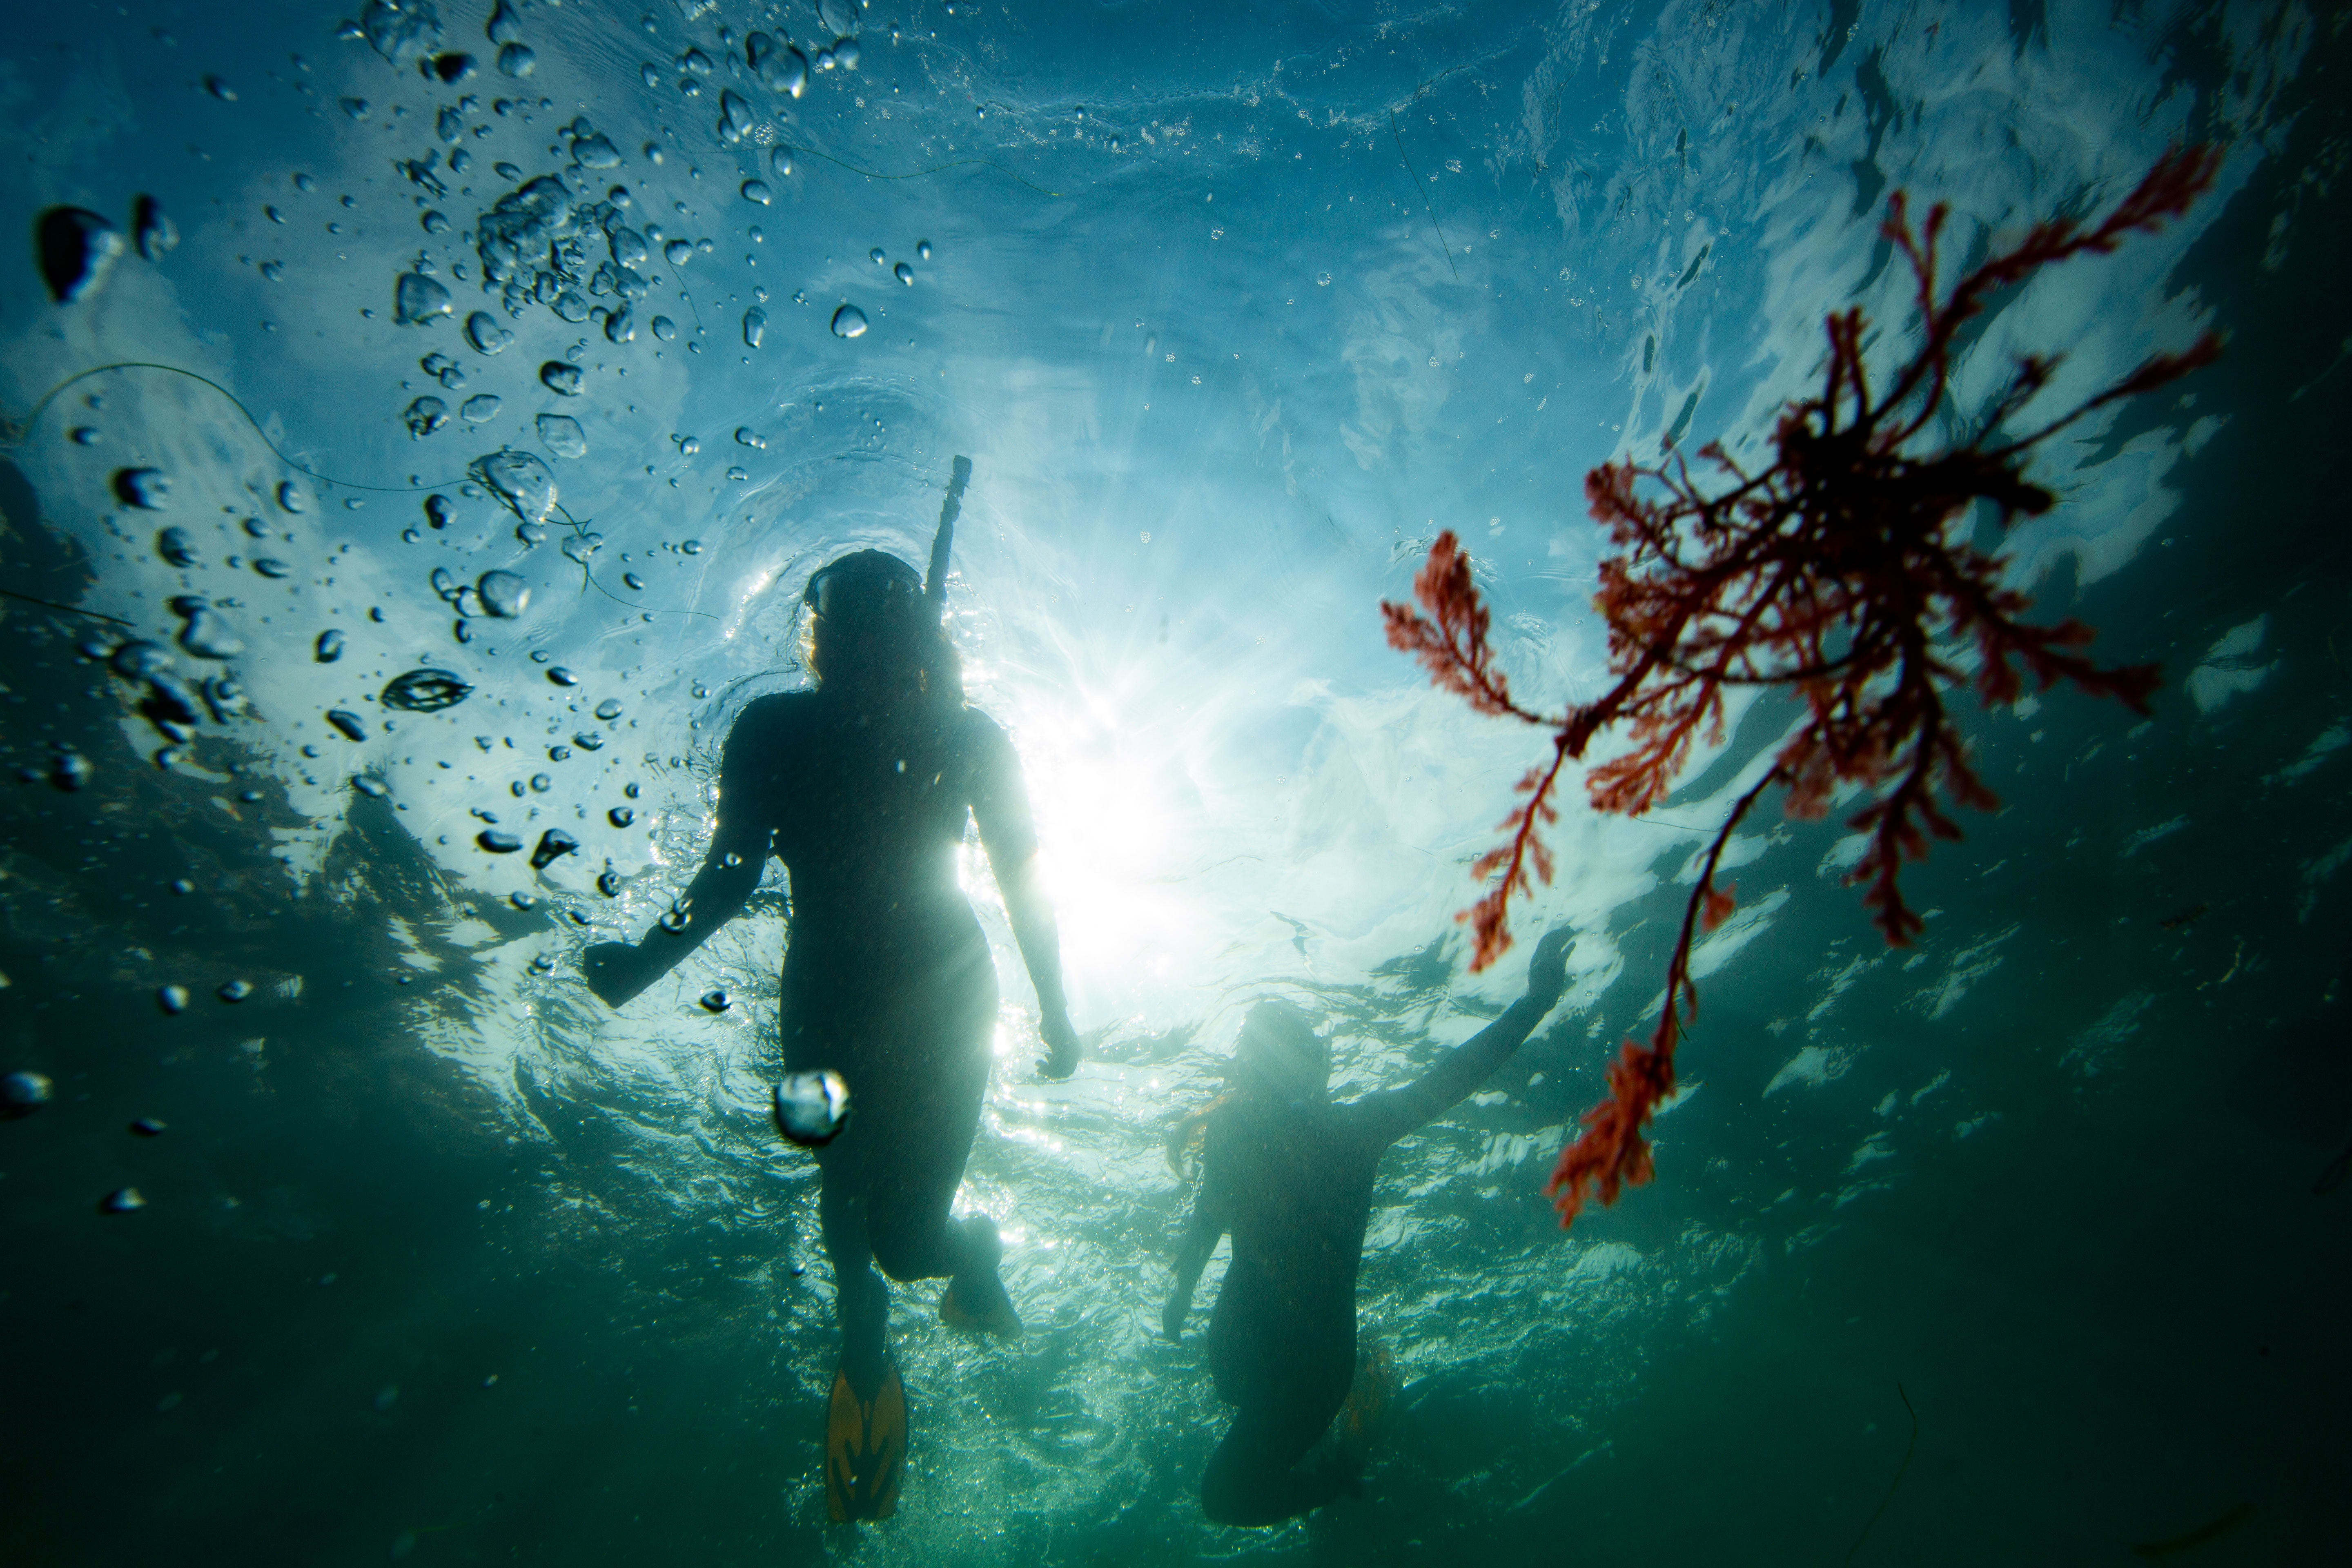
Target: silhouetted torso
(1296, 1183)
(868, 812)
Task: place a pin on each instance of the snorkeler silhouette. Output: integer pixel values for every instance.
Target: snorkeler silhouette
(1290, 1175)
(862, 788)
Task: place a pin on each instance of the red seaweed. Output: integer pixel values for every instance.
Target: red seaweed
(1845, 573)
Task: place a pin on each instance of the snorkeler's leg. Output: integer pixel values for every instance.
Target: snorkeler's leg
(914, 1235)
(1254, 1478)
(865, 1419)
(1287, 1380)
(861, 1300)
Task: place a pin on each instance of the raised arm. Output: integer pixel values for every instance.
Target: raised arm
(1212, 1217)
(618, 970)
(1001, 806)
(1397, 1111)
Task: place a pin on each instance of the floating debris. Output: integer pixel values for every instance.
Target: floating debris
(234, 991)
(418, 299)
(139, 661)
(426, 416)
(148, 1127)
(553, 846)
(150, 489)
(174, 546)
(172, 998)
(561, 435)
(155, 231)
(400, 30)
(736, 119)
(482, 331)
(503, 593)
(207, 633)
(425, 691)
(347, 724)
(780, 67)
(520, 480)
(78, 249)
(812, 1108)
(122, 1200)
(23, 1093)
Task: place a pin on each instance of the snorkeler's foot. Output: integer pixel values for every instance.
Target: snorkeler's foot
(865, 1449)
(975, 1297)
(1359, 1419)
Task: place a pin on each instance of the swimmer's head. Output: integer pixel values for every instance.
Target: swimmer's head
(1279, 1051)
(867, 620)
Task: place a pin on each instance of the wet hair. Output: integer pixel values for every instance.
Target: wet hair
(1278, 1040)
(1278, 1046)
(867, 625)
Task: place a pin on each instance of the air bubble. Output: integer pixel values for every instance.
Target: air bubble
(812, 1108)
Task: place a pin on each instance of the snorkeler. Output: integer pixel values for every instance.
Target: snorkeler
(1290, 1175)
(862, 787)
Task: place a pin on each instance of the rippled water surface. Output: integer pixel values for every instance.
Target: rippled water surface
(443, 419)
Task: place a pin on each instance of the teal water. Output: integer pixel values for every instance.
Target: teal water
(1232, 311)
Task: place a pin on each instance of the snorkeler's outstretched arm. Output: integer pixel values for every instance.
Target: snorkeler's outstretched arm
(1395, 1113)
(618, 970)
(1212, 1217)
(1000, 805)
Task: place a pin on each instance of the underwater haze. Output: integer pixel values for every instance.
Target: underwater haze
(422, 421)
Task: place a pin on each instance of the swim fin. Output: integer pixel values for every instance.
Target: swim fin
(994, 1316)
(975, 1297)
(865, 1449)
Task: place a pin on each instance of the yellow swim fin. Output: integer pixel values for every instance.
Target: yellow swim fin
(865, 1449)
(995, 1314)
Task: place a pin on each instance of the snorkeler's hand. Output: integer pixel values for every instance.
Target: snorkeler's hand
(1547, 970)
(616, 971)
(1172, 1316)
(1061, 1036)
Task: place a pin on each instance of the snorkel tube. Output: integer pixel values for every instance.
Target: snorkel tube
(935, 586)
